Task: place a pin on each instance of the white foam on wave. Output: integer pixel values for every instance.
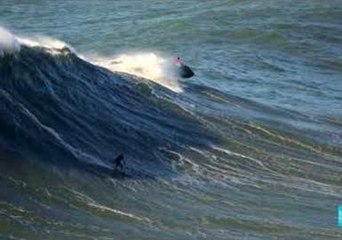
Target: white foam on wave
(119, 212)
(52, 45)
(148, 65)
(8, 42)
(93, 204)
(152, 66)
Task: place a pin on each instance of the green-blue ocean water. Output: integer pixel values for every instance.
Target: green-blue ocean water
(249, 149)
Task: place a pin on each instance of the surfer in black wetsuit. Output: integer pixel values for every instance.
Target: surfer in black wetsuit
(119, 162)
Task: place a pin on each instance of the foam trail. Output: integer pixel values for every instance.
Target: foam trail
(118, 212)
(147, 65)
(8, 42)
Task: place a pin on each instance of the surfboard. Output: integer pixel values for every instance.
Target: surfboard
(119, 174)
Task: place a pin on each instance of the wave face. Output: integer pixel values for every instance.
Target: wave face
(60, 108)
(248, 148)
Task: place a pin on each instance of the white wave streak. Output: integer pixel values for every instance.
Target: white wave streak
(115, 211)
(228, 152)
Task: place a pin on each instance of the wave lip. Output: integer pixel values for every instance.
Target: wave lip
(151, 66)
(8, 42)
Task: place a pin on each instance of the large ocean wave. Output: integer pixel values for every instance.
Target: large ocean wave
(60, 108)
(196, 157)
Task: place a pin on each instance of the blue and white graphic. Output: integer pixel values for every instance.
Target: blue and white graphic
(339, 215)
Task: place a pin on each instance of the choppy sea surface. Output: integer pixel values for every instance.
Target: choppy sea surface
(249, 148)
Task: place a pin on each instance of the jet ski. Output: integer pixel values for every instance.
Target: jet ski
(183, 70)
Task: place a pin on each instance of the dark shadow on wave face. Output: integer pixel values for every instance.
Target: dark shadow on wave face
(72, 114)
